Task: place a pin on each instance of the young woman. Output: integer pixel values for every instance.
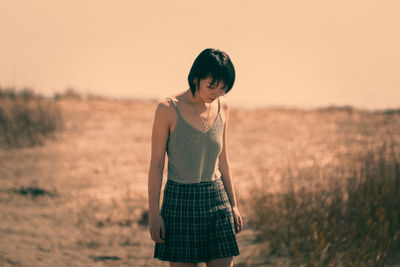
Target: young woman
(199, 217)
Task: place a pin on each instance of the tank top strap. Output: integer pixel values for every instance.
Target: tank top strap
(174, 104)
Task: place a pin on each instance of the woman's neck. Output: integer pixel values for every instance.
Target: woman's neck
(195, 100)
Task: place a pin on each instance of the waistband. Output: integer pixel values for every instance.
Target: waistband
(202, 183)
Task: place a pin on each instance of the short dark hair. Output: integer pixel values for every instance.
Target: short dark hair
(215, 63)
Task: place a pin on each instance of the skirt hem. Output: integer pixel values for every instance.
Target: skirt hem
(197, 261)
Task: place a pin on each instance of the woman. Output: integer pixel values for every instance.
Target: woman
(199, 218)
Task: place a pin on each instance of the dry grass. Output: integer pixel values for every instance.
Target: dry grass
(352, 223)
(80, 199)
(27, 118)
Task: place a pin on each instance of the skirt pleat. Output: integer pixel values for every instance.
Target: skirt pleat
(198, 223)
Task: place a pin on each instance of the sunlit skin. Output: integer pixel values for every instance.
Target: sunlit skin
(203, 103)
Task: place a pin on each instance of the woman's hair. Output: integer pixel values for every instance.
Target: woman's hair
(215, 63)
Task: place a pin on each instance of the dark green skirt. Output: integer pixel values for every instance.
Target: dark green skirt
(198, 223)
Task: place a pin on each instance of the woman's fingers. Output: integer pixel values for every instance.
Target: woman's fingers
(240, 223)
(155, 235)
(238, 220)
(237, 224)
(159, 240)
(151, 234)
(157, 229)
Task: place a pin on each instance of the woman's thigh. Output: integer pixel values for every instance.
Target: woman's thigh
(222, 262)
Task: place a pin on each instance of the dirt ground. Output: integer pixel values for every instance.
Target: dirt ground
(81, 198)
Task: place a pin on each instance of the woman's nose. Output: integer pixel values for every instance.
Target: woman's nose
(218, 94)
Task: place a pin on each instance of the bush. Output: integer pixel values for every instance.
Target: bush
(68, 94)
(27, 118)
(357, 224)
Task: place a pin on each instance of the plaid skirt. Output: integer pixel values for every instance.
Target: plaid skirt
(198, 223)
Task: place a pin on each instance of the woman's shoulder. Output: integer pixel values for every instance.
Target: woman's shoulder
(165, 109)
(224, 106)
(224, 103)
(166, 105)
(167, 101)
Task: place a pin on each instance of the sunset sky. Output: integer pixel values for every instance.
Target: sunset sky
(290, 53)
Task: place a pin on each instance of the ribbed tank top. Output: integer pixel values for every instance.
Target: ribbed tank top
(193, 154)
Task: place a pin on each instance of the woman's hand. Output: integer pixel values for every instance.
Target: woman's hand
(238, 220)
(157, 229)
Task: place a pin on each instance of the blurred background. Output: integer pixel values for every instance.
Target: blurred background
(291, 53)
(314, 128)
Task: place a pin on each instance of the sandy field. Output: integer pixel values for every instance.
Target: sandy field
(93, 176)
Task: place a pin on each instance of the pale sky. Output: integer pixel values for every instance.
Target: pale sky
(287, 53)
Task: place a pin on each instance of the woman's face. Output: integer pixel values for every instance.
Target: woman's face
(209, 92)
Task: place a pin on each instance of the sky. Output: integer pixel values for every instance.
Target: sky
(286, 53)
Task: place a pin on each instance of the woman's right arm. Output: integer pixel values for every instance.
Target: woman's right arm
(159, 139)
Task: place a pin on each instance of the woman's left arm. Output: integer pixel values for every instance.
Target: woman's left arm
(225, 170)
